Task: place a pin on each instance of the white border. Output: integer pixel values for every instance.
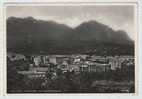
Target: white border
(74, 4)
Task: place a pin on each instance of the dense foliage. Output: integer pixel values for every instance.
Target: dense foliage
(28, 35)
(70, 82)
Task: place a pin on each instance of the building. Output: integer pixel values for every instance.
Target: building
(90, 66)
(33, 74)
(52, 59)
(103, 67)
(116, 61)
(74, 67)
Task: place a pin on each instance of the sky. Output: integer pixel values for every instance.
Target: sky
(118, 17)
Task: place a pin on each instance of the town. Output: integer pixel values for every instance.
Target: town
(49, 67)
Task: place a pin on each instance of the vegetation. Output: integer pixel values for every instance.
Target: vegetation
(70, 82)
(28, 35)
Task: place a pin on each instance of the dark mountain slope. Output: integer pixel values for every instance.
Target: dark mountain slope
(101, 33)
(28, 35)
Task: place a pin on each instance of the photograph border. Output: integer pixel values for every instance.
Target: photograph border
(74, 4)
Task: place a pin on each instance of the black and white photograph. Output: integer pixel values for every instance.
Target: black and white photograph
(73, 48)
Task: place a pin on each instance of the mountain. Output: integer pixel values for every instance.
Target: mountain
(101, 33)
(28, 35)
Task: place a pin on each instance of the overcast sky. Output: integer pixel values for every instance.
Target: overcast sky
(115, 16)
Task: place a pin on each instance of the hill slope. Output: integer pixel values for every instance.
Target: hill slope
(28, 35)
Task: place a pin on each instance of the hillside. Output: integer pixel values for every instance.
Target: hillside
(28, 35)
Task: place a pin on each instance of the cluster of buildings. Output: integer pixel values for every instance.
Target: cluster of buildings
(41, 64)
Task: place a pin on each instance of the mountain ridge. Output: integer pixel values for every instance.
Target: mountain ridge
(31, 35)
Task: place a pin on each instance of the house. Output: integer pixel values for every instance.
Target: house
(103, 67)
(90, 66)
(33, 74)
(52, 59)
(116, 61)
(74, 67)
